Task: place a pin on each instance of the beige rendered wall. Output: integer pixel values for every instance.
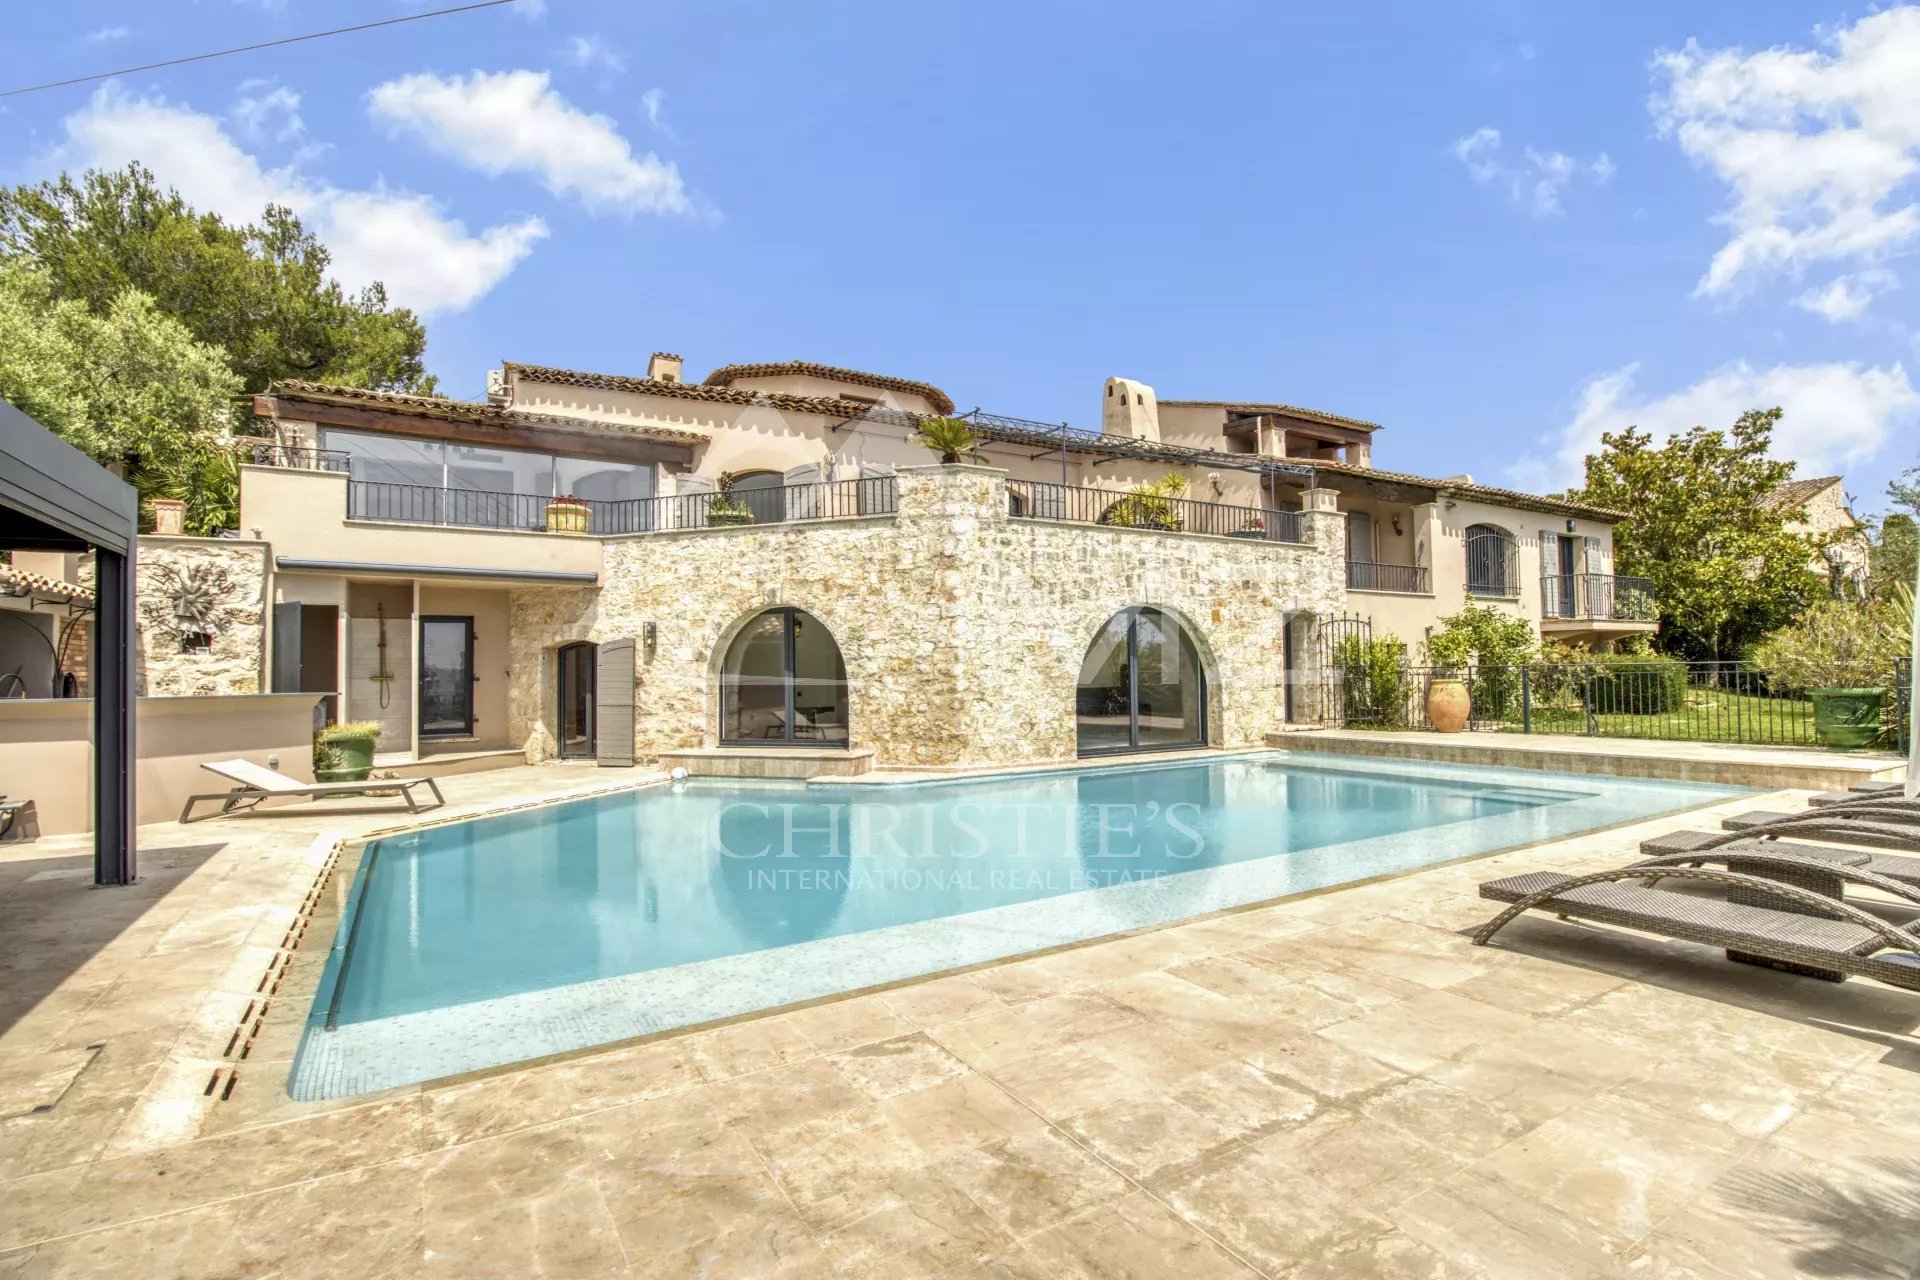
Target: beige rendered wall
(44, 750)
(303, 514)
(492, 662)
(962, 629)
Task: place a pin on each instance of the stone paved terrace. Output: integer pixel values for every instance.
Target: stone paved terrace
(1332, 1086)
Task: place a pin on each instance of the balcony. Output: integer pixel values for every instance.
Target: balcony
(1597, 597)
(1397, 579)
(1034, 500)
(538, 513)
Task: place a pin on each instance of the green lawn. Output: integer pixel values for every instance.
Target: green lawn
(1710, 715)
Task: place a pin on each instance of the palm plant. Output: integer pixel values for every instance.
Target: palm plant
(1150, 505)
(948, 437)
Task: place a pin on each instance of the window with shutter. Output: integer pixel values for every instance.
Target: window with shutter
(613, 720)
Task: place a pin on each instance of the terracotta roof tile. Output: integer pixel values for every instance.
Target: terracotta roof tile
(1291, 410)
(1499, 497)
(40, 585)
(468, 411)
(1795, 494)
(825, 405)
(726, 374)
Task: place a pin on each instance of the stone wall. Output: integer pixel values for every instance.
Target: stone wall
(962, 629)
(234, 572)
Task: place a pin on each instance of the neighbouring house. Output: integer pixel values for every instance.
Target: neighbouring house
(1818, 505)
(762, 572)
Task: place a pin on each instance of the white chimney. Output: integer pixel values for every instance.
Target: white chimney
(1130, 409)
(497, 393)
(663, 367)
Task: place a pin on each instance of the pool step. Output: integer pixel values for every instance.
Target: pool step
(769, 762)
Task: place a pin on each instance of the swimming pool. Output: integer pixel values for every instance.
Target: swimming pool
(486, 942)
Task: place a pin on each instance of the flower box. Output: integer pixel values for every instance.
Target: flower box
(568, 515)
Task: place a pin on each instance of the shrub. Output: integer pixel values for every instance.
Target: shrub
(1149, 506)
(1495, 644)
(1834, 644)
(1375, 680)
(1632, 684)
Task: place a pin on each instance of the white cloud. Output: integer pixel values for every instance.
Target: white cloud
(1835, 414)
(593, 54)
(513, 122)
(1847, 297)
(654, 102)
(107, 35)
(426, 260)
(1537, 181)
(531, 10)
(1814, 147)
(260, 104)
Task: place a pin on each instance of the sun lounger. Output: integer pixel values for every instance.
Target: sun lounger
(1692, 848)
(1862, 791)
(257, 783)
(1877, 828)
(1841, 939)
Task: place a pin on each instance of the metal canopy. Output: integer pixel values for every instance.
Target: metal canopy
(1063, 438)
(55, 498)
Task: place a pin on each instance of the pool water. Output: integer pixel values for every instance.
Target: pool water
(490, 941)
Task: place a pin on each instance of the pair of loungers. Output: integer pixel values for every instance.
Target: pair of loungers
(1781, 901)
(255, 783)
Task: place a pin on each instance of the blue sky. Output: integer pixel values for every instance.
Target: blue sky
(1496, 228)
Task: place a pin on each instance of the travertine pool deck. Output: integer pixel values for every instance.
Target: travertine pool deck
(1338, 1085)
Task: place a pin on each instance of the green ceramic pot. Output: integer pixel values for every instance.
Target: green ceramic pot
(1847, 718)
(352, 760)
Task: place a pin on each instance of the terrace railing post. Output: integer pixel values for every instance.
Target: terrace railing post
(1587, 701)
(1526, 698)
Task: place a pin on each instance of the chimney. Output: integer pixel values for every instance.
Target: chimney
(1130, 409)
(663, 367)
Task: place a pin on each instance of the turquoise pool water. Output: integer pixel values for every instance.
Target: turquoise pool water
(498, 939)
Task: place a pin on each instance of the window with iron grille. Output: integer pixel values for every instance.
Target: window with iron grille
(1492, 568)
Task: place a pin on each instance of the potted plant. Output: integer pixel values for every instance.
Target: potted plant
(344, 752)
(1150, 505)
(1255, 527)
(1838, 651)
(568, 515)
(1449, 705)
(948, 437)
(725, 507)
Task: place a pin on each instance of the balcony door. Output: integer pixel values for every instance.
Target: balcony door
(446, 676)
(1564, 568)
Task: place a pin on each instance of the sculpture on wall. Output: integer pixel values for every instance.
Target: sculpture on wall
(199, 594)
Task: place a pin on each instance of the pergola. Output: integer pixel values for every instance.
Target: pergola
(55, 498)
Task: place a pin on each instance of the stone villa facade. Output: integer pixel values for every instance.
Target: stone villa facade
(764, 567)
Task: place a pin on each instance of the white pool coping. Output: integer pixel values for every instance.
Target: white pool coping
(362, 1057)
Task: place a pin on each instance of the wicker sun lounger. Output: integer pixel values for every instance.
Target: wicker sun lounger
(257, 783)
(1841, 940)
(1716, 846)
(1877, 828)
(1862, 791)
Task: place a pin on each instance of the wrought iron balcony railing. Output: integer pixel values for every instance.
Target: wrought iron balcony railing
(1407, 579)
(1035, 500)
(1597, 597)
(538, 513)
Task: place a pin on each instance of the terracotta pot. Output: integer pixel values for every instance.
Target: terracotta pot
(1448, 705)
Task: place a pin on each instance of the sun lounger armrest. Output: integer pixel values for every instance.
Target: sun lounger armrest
(1839, 871)
(1897, 939)
(1803, 823)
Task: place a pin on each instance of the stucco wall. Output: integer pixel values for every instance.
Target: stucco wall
(236, 569)
(962, 629)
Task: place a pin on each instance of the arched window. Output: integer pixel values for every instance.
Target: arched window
(1492, 562)
(782, 682)
(760, 491)
(1141, 686)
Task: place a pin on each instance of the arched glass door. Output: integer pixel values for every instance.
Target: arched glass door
(782, 682)
(1141, 686)
(576, 689)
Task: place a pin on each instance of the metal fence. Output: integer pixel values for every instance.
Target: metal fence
(1406, 579)
(478, 509)
(1666, 700)
(1035, 500)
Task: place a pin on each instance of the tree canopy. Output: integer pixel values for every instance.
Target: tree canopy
(1725, 567)
(258, 292)
(131, 387)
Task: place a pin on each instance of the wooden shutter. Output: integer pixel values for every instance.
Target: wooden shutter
(876, 494)
(1359, 538)
(613, 704)
(285, 677)
(802, 492)
(1596, 562)
(689, 507)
